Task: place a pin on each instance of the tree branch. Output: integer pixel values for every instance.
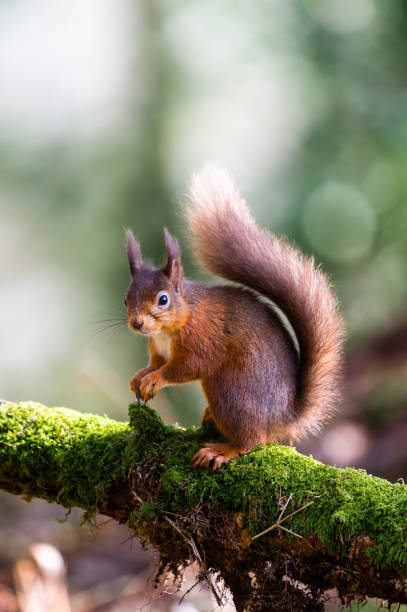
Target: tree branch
(354, 534)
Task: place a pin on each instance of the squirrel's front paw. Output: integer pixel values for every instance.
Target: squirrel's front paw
(149, 385)
(136, 380)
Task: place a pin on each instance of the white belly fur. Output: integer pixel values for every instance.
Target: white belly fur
(162, 343)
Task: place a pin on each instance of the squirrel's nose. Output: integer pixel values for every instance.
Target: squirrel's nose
(137, 323)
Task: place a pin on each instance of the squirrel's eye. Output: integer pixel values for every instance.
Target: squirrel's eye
(163, 300)
(125, 302)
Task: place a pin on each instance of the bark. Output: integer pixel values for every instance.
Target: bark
(339, 528)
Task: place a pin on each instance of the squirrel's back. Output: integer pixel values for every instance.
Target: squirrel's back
(228, 242)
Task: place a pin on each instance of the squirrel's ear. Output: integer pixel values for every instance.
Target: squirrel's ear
(133, 253)
(173, 267)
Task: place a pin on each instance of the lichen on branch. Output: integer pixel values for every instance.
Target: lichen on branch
(354, 535)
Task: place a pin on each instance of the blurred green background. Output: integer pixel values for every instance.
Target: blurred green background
(106, 108)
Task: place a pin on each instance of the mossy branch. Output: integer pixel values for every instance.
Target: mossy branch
(353, 537)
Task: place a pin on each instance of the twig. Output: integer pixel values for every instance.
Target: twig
(137, 496)
(285, 506)
(278, 523)
(293, 532)
(187, 592)
(176, 528)
(198, 557)
(281, 515)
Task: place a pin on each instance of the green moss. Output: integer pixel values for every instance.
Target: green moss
(146, 422)
(56, 453)
(74, 452)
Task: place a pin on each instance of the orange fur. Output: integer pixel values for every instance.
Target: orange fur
(225, 337)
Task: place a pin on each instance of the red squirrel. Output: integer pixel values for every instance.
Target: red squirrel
(258, 386)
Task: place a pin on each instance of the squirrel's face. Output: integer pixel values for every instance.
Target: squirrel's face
(152, 303)
(154, 299)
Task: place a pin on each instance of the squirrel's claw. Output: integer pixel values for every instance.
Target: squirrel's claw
(136, 380)
(152, 393)
(208, 458)
(149, 385)
(213, 456)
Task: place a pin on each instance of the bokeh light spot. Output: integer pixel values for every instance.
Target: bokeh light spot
(339, 222)
(342, 17)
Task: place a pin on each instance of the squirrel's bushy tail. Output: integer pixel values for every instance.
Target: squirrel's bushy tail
(229, 243)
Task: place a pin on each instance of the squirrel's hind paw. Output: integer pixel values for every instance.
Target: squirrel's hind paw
(213, 456)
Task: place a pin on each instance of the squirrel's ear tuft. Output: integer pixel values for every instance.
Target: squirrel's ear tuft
(173, 267)
(133, 253)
